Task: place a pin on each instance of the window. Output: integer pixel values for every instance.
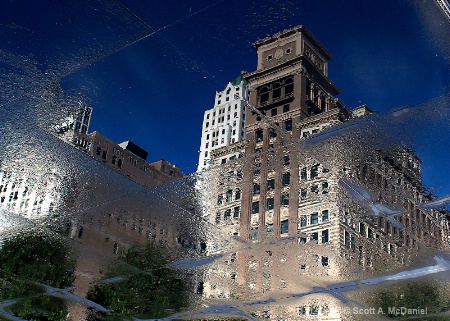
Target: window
(207, 124)
(303, 173)
(284, 226)
(273, 112)
(219, 199)
(314, 218)
(119, 163)
(362, 229)
(238, 194)
(270, 229)
(227, 214)
(324, 261)
(223, 131)
(98, 150)
(325, 216)
(288, 125)
(285, 108)
(256, 188)
(346, 239)
(254, 233)
(286, 179)
(285, 199)
(206, 154)
(315, 236)
(303, 193)
(275, 91)
(229, 195)
(314, 171)
(236, 212)
(270, 184)
(272, 133)
(255, 207)
(224, 160)
(259, 135)
(303, 221)
(286, 160)
(113, 160)
(325, 188)
(207, 116)
(325, 235)
(270, 204)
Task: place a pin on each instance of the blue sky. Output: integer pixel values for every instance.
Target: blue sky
(151, 68)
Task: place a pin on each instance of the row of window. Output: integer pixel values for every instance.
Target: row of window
(229, 196)
(227, 97)
(350, 242)
(313, 310)
(276, 91)
(284, 229)
(216, 133)
(285, 181)
(222, 111)
(325, 235)
(314, 218)
(236, 213)
(222, 119)
(270, 203)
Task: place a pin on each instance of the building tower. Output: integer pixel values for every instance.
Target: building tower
(225, 123)
(289, 87)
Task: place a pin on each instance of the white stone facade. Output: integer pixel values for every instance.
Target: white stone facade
(225, 123)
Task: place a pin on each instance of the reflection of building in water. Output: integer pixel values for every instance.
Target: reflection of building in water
(224, 124)
(76, 122)
(330, 209)
(33, 197)
(129, 159)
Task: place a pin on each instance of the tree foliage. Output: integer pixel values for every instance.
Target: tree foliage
(38, 257)
(146, 293)
(413, 294)
(40, 308)
(33, 257)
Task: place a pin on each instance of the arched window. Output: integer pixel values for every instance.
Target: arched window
(263, 95)
(275, 91)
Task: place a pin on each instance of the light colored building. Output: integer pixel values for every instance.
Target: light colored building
(225, 123)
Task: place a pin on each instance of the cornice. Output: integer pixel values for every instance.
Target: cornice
(320, 118)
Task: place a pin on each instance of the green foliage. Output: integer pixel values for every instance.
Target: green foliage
(148, 257)
(147, 293)
(37, 257)
(12, 288)
(40, 308)
(412, 295)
